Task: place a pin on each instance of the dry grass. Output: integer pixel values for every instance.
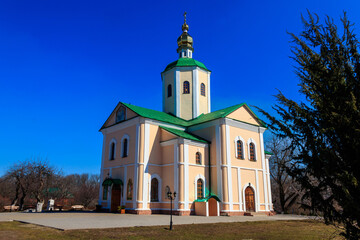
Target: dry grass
(245, 230)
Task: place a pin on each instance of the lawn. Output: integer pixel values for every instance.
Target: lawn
(245, 230)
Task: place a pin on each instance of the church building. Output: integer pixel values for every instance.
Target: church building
(214, 161)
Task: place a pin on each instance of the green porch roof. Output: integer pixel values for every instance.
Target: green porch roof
(206, 199)
(110, 181)
(268, 153)
(184, 134)
(186, 62)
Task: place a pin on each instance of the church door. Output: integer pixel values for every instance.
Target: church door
(115, 197)
(249, 199)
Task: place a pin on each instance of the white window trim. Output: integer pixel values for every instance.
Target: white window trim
(243, 143)
(122, 145)
(199, 176)
(248, 148)
(159, 186)
(201, 162)
(115, 143)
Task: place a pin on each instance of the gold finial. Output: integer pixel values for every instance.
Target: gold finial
(185, 27)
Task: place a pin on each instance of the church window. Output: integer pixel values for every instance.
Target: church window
(129, 190)
(186, 87)
(198, 158)
(167, 189)
(125, 147)
(169, 90)
(105, 192)
(252, 152)
(154, 190)
(200, 189)
(202, 89)
(112, 151)
(240, 149)
(120, 114)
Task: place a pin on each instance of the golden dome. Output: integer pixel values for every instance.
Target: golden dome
(185, 41)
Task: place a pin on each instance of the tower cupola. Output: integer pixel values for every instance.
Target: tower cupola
(185, 42)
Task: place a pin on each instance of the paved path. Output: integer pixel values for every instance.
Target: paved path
(87, 220)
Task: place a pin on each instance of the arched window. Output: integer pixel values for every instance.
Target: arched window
(186, 87)
(169, 90)
(120, 114)
(125, 148)
(252, 151)
(202, 87)
(129, 190)
(167, 189)
(105, 192)
(200, 189)
(112, 151)
(154, 190)
(240, 149)
(198, 158)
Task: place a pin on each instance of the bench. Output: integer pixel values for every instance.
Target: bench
(11, 208)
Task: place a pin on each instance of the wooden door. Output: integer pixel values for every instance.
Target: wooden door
(115, 197)
(249, 199)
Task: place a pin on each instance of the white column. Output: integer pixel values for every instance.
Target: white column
(146, 170)
(262, 154)
(176, 174)
(228, 161)
(218, 161)
(208, 93)
(136, 165)
(239, 190)
(257, 190)
(186, 176)
(177, 92)
(195, 86)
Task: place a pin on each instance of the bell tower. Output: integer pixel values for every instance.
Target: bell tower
(186, 82)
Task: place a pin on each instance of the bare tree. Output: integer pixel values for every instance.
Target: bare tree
(285, 191)
(30, 177)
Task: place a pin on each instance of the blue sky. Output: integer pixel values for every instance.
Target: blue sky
(64, 65)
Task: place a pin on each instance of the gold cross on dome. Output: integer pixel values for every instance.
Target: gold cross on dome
(184, 17)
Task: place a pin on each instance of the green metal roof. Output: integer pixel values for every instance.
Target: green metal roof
(168, 118)
(214, 115)
(186, 62)
(157, 115)
(184, 134)
(268, 153)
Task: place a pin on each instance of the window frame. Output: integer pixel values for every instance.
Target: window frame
(127, 138)
(129, 194)
(239, 138)
(122, 108)
(112, 149)
(105, 193)
(169, 90)
(251, 141)
(186, 87)
(198, 159)
(202, 89)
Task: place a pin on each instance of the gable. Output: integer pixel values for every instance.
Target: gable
(111, 119)
(244, 114)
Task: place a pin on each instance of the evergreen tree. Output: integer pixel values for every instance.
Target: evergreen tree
(325, 128)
